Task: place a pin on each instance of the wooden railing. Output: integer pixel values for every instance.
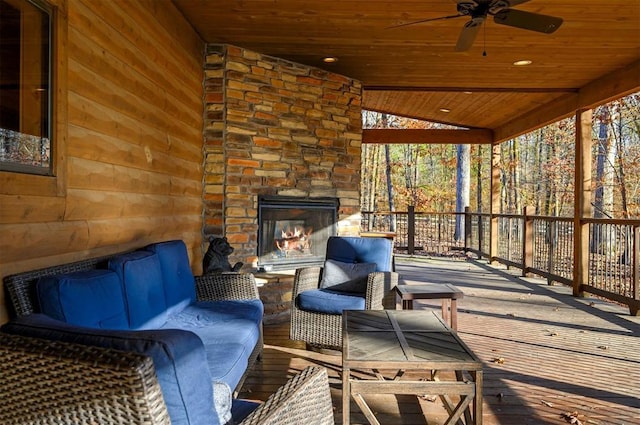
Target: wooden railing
(541, 245)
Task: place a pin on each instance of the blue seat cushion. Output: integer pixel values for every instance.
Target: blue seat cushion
(178, 356)
(346, 277)
(229, 330)
(352, 249)
(90, 298)
(329, 301)
(179, 283)
(141, 275)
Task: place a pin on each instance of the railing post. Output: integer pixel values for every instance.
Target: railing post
(527, 241)
(467, 228)
(635, 278)
(495, 202)
(552, 231)
(480, 235)
(411, 229)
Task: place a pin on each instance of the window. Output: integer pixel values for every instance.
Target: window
(25, 87)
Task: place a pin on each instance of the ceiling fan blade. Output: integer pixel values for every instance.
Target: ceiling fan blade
(528, 20)
(516, 2)
(468, 34)
(425, 20)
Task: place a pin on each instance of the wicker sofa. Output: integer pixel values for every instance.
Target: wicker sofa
(202, 333)
(52, 383)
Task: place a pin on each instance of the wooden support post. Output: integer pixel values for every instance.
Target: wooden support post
(582, 202)
(411, 229)
(527, 242)
(495, 202)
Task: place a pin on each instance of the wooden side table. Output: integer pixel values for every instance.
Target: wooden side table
(429, 291)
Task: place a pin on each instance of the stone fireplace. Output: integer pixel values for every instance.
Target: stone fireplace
(276, 129)
(293, 232)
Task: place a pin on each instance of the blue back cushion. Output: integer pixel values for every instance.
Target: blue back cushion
(141, 275)
(179, 283)
(178, 356)
(90, 298)
(352, 249)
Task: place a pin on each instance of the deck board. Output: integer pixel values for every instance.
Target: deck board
(545, 353)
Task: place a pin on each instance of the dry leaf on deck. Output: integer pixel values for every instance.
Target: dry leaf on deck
(498, 360)
(572, 418)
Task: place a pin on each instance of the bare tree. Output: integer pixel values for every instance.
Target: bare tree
(463, 183)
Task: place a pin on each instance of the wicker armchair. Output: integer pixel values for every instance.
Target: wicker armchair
(323, 330)
(47, 383)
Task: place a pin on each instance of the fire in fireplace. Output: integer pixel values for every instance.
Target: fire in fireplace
(293, 232)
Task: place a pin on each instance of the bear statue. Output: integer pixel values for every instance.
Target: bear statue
(216, 259)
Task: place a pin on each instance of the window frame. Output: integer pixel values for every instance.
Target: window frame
(17, 182)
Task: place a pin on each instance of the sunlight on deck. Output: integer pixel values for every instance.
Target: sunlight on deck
(549, 358)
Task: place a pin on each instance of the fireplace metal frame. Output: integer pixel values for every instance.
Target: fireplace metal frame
(272, 202)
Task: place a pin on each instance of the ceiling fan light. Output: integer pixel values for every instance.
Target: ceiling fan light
(330, 59)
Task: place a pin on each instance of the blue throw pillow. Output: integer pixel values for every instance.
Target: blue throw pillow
(90, 298)
(346, 277)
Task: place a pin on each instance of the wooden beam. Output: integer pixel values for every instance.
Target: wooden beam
(426, 136)
(473, 89)
(612, 86)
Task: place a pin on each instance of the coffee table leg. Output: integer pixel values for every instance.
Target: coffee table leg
(454, 314)
(445, 311)
(346, 396)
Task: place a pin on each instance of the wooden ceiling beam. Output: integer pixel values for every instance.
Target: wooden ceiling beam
(612, 86)
(426, 136)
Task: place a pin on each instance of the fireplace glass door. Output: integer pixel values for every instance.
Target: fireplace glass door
(293, 232)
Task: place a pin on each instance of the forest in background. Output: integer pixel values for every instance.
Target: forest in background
(536, 168)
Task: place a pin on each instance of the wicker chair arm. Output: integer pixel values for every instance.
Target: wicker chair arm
(306, 278)
(304, 399)
(226, 286)
(379, 284)
(46, 383)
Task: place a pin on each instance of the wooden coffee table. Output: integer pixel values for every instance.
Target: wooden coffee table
(429, 291)
(398, 341)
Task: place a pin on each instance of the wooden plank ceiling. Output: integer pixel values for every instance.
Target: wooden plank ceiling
(415, 71)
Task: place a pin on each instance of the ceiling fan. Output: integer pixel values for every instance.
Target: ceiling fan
(503, 13)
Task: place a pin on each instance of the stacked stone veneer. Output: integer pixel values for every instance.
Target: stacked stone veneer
(276, 127)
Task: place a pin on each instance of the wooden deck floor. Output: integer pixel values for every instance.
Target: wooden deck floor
(548, 357)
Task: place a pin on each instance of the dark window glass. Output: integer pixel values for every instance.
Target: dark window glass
(25, 87)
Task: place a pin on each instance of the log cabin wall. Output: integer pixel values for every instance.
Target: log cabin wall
(275, 127)
(130, 172)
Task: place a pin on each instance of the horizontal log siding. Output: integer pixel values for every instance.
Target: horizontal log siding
(134, 142)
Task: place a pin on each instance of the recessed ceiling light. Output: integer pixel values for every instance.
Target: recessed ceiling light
(330, 59)
(467, 92)
(445, 110)
(524, 62)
